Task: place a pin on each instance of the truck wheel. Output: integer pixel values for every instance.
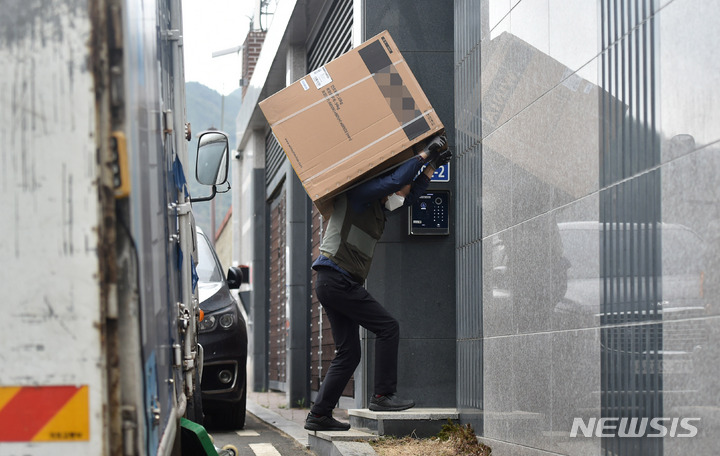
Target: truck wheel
(229, 450)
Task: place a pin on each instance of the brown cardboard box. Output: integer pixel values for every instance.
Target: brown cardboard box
(351, 119)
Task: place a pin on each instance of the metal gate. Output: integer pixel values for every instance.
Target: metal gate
(631, 316)
(277, 321)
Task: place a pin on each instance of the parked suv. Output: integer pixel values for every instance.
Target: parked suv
(223, 337)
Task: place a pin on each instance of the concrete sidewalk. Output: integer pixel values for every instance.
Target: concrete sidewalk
(272, 408)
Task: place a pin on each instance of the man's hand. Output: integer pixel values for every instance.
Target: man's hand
(434, 148)
(438, 144)
(442, 158)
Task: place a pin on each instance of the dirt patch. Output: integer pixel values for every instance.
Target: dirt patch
(409, 446)
(453, 440)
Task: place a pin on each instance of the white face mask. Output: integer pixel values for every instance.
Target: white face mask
(394, 201)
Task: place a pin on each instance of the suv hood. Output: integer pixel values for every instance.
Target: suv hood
(214, 296)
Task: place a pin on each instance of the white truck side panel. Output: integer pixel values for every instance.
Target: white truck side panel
(52, 325)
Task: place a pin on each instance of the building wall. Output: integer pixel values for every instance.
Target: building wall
(250, 247)
(414, 276)
(587, 247)
(223, 242)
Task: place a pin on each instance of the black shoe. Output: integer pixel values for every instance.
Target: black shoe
(324, 423)
(390, 403)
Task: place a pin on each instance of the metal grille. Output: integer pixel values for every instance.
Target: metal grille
(322, 345)
(275, 157)
(632, 331)
(468, 133)
(277, 290)
(333, 39)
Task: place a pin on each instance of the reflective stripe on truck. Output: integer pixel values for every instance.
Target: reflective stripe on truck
(44, 413)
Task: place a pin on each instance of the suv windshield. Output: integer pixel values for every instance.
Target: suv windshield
(208, 269)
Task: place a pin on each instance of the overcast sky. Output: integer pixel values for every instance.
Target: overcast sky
(210, 26)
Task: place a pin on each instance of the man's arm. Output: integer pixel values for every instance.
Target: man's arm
(419, 185)
(403, 175)
(384, 185)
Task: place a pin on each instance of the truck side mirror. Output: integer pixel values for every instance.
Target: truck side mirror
(211, 167)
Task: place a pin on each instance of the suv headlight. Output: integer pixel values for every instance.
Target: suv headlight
(208, 323)
(225, 320)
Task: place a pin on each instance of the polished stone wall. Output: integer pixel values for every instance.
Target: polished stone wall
(588, 242)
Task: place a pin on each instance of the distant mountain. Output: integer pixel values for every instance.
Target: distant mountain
(204, 111)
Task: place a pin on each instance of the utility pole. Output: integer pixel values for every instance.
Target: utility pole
(232, 50)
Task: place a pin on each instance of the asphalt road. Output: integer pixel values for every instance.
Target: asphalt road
(259, 439)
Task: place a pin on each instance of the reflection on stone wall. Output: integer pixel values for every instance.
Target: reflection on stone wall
(600, 221)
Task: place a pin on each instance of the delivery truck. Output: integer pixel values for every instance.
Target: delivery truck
(98, 348)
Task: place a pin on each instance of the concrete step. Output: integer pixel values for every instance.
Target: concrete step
(341, 443)
(419, 422)
(344, 436)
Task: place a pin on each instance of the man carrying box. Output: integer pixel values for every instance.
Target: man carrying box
(347, 249)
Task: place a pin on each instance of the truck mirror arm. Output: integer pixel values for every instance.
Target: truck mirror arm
(205, 198)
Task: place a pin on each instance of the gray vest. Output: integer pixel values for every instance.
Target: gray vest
(351, 236)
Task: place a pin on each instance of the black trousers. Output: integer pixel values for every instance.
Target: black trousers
(348, 305)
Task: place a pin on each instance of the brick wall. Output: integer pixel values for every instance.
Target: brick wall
(253, 45)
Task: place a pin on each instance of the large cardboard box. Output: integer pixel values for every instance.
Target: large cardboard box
(351, 119)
